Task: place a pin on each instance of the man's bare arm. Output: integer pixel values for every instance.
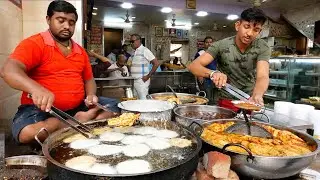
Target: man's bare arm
(14, 73)
(197, 68)
(262, 82)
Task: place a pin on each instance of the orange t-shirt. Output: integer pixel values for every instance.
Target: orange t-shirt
(63, 76)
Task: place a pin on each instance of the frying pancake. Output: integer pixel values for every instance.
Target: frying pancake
(180, 142)
(136, 150)
(166, 134)
(99, 131)
(134, 139)
(127, 129)
(112, 136)
(147, 130)
(72, 138)
(81, 163)
(135, 166)
(158, 143)
(105, 150)
(101, 168)
(84, 143)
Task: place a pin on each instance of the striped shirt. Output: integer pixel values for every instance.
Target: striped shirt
(140, 62)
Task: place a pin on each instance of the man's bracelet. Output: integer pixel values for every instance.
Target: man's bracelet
(211, 74)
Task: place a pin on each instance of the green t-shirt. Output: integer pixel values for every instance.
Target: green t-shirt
(240, 68)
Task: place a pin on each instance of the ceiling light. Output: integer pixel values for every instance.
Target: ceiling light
(232, 17)
(264, 0)
(196, 23)
(133, 17)
(126, 5)
(95, 8)
(201, 13)
(166, 20)
(94, 13)
(166, 10)
(224, 26)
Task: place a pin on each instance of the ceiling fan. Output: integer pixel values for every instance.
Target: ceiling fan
(127, 20)
(173, 23)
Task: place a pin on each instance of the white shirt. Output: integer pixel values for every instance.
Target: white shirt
(112, 57)
(140, 62)
(117, 73)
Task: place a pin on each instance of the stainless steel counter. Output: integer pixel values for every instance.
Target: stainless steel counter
(179, 80)
(111, 83)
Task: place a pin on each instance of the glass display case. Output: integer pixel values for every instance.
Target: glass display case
(293, 78)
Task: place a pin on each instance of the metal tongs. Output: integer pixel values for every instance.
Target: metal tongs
(56, 112)
(247, 128)
(86, 131)
(236, 92)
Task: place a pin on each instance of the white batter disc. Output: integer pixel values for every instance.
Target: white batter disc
(166, 134)
(84, 143)
(111, 136)
(158, 143)
(101, 168)
(134, 139)
(105, 150)
(81, 163)
(135, 166)
(136, 150)
(146, 130)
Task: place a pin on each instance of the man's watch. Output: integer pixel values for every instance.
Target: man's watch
(212, 72)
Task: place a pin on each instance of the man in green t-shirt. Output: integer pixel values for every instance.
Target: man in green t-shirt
(242, 59)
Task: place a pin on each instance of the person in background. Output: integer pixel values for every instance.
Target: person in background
(139, 69)
(55, 70)
(206, 83)
(125, 51)
(113, 55)
(119, 69)
(243, 58)
(103, 63)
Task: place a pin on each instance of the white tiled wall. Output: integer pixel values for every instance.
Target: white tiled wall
(34, 18)
(10, 36)
(16, 25)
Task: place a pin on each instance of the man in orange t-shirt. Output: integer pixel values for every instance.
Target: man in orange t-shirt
(56, 71)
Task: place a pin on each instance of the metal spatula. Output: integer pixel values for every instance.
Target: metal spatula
(248, 128)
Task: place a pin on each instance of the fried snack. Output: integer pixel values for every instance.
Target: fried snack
(283, 143)
(125, 119)
(101, 130)
(248, 106)
(180, 142)
(72, 138)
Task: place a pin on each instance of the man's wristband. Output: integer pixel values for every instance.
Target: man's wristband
(211, 74)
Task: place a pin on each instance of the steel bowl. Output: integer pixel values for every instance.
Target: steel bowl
(205, 100)
(181, 118)
(150, 110)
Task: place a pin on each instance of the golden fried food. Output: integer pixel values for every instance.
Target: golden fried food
(125, 119)
(72, 138)
(180, 142)
(172, 98)
(101, 130)
(283, 143)
(248, 106)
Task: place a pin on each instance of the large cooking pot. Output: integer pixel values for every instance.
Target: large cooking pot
(265, 167)
(201, 99)
(149, 110)
(183, 169)
(185, 115)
